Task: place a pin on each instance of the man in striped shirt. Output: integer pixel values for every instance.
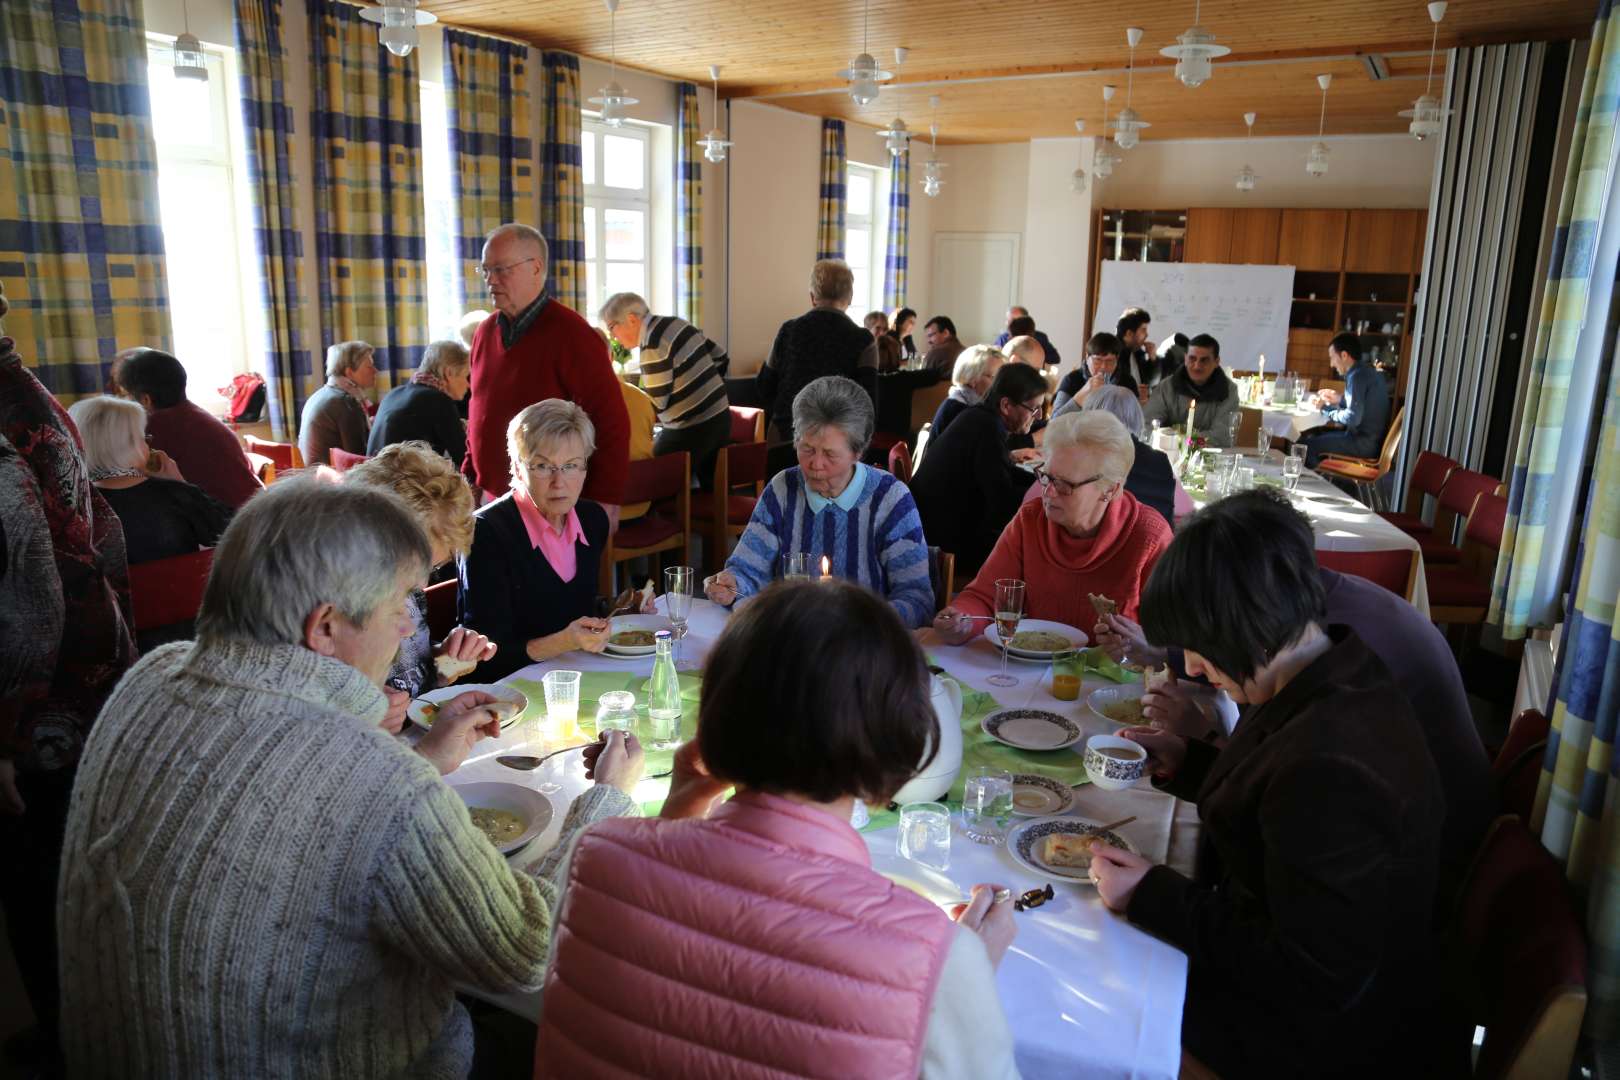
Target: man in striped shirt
(684, 374)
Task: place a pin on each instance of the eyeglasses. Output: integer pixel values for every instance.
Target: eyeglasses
(1035, 408)
(487, 272)
(1061, 486)
(548, 470)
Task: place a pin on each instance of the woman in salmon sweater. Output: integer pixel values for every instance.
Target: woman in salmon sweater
(1085, 534)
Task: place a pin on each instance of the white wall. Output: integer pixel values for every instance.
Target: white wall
(1056, 258)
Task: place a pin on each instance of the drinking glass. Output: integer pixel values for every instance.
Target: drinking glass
(616, 711)
(796, 566)
(562, 703)
(1298, 450)
(1009, 612)
(925, 834)
(1291, 469)
(986, 805)
(1262, 441)
(1233, 422)
(1242, 479)
(678, 605)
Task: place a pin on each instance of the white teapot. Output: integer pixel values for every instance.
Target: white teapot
(939, 772)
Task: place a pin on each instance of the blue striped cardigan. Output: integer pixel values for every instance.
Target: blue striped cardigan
(878, 542)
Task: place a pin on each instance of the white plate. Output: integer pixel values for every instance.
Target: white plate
(622, 623)
(1097, 700)
(1031, 729)
(1041, 796)
(1074, 634)
(525, 802)
(419, 715)
(1023, 838)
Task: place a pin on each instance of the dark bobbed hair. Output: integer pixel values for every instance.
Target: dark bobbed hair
(1205, 341)
(1130, 320)
(943, 322)
(1346, 342)
(157, 374)
(817, 689)
(901, 315)
(1238, 583)
(1180, 339)
(1021, 326)
(1104, 344)
(1019, 382)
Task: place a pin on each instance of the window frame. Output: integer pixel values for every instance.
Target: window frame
(876, 222)
(600, 198)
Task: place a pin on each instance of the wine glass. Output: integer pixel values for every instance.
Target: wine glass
(1009, 612)
(678, 605)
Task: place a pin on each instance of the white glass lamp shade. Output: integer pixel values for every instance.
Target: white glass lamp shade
(399, 19)
(1103, 162)
(1078, 181)
(1193, 54)
(1128, 127)
(1246, 179)
(189, 62)
(1316, 162)
(1427, 117)
(864, 75)
(715, 145)
(931, 186)
(932, 180)
(896, 137)
(611, 100)
(399, 40)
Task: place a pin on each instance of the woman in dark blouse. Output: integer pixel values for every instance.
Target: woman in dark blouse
(426, 408)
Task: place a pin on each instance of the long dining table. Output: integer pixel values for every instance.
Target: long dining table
(1085, 992)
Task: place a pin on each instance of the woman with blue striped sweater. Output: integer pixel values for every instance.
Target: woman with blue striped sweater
(860, 519)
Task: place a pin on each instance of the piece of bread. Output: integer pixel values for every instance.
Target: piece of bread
(504, 711)
(1154, 678)
(451, 669)
(1102, 605)
(1066, 850)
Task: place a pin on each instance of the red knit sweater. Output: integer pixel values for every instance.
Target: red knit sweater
(559, 356)
(1059, 570)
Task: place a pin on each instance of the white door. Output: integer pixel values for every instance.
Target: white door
(975, 282)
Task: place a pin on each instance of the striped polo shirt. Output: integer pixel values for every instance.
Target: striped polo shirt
(682, 371)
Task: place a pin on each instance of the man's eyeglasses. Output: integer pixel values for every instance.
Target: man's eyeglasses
(487, 272)
(548, 470)
(1061, 486)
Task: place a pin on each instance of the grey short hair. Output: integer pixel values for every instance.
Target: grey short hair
(832, 281)
(621, 306)
(1097, 433)
(526, 234)
(972, 361)
(1121, 404)
(345, 356)
(544, 422)
(302, 543)
(113, 430)
(1026, 349)
(834, 401)
(440, 358)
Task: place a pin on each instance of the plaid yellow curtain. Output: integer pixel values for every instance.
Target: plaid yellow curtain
(894, 257)
(834, 169)
(369, 240)
(688, 205)
(268, 123)
(81, 239)
(562, 189)
(491, 154)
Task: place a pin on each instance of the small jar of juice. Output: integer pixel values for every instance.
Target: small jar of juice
(1066, 668)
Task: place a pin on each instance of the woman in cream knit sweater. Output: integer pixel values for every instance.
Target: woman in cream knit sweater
(258, 880)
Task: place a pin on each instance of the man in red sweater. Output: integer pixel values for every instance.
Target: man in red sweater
(207, 452)
(530, 349)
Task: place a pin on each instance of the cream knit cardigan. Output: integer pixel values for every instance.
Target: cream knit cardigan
(258, 881)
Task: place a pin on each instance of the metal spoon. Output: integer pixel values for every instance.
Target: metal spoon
(527, 762)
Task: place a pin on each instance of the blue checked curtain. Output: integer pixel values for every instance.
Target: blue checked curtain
(894, 258)
(81, 240)
(268, 123)
(688, 205)
(491, 155)
(370, 247)
(562, 188)
(830, 234)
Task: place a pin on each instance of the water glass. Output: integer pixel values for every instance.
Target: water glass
(796, 566)
(616, 711)
(562, 703)
(925, 834)
(1233, 422)
(1242, 480)
(986, 805)
(1262, 441)
(1291, 469)
(678, 582)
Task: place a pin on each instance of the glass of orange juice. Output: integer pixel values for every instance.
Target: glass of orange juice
(1066, 668)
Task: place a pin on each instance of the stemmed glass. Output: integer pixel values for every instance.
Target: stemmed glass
(678, 605)
(1009, 612)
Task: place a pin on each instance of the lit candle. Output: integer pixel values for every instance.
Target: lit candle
(1192, 411)
(1260, 381)
(826, 568)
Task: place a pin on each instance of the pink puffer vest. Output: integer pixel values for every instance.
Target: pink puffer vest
(757, 943)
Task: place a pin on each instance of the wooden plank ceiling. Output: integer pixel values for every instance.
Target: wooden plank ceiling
(1006, 72)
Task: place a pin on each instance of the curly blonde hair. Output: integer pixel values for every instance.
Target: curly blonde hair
(430, 486)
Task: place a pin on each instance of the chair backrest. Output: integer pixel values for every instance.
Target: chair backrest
(1482, 535)
(342, 460)
(1517, 768)
(1429, 474)
(285, 455)
(900, 462)
(262, 467)
(1522, 957)
(1248, 427)
(1394, 568)
(661, 477)
(167, 591)
(1458, 492)
(745, 466)
(441, 609)
(1392, 443)
(923, 434)
(747, 425)
(925, 402)
(942, 576)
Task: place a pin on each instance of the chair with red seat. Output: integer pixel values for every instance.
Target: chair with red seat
(666, 482)
(739, 481)
(166, 592)
(1429, 474)
(1396, 569)
(747, 424)
(1456, 500)
(900, 462)
(343, 461)
(263, 468)
(1365, 473)
(1518, 962)
(1460, 593)
(1517, 768)
(285, 455)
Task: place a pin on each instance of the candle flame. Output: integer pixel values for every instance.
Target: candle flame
(826, 567)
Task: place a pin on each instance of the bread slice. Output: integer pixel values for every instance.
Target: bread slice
(1103, 606)
(450, 669)
(1067, 851)
(1157, 677)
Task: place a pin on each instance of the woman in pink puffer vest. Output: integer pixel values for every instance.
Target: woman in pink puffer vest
(753, 938)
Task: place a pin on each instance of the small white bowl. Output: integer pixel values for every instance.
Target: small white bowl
(1112, 773)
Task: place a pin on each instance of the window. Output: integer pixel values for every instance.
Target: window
(864, 240)
(442, 225)
(206, 220)
(616, 167)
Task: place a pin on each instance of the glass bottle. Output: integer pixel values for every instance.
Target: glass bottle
(664, 695)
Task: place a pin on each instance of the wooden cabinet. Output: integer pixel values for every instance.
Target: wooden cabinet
(1228, 235)
(1383, 241)
(1209, 235)
(1312, 239)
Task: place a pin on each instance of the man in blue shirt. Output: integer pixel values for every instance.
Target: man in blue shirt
(1019, 324)
(1358, 418)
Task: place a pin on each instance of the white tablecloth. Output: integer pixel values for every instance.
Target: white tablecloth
(1289, 422)
(1085, 992)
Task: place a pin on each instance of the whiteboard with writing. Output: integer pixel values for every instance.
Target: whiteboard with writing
(1245, 308)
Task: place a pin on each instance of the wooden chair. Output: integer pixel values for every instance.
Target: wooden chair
(441, 609)
(925, 402)
(1517, 768)
(1429, 475)
(900, 462)
(343, 461)
(1366, 473)
(942, 576)
(1518, 962)
(739, 481)
(1456, 500)
(285, 455)
(168, 591)
(666, 482)
(1249, 426)
(747, 424)
(263, 468)
(1460, 593)
(1396, 569)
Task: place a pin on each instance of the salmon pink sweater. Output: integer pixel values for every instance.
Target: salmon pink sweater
(1059, 570)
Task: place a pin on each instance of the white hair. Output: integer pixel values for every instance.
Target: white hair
(1099, 434)
(972, 361)
(621, 306)
(1119, 403)
(113, 430)
(440, 358)
(834, 401)
(543, 424)
(832, 281)
(345, 356)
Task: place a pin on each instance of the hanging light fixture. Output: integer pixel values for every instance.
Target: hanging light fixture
(1316, 162)
(1426, 113)
(189, 61)
(1129, 124)
(1247, 176)
(1195, 52)
(398, 21)
(715, 142)
(863, 73)
(1077, 179)
(896, 137)
(932, 181)
(1105, 157)
(612, 99)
